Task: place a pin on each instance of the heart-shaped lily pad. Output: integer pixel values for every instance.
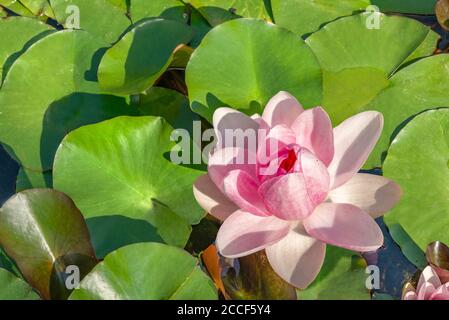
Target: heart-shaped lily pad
(307, 16)
(13, 288)
(219, 11)
(43, 231)
(147, 271)
(262, 58)
(100, 17)
(341, 277)
(18, 34)
(16, 7)
(62, 65)
(120, 170)
(418, 160)
(167, 9)
(134, 63)
(369, 69)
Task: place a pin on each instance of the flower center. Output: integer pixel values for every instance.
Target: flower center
(288, 163)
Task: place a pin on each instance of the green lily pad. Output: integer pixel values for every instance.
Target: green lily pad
(200, 26)
(134, 63)
(369, 69)
(18, 34)
(39, 7)
(100, 17)
(307, 16)
(418, 160)
(13, 288)
(28, 179)
(64, 96)
(121, 4)
(147, 271)
(120, 169)
(342, 277)
(261, 58)
(16, 7)
(218, 11)
(167, 9)
(43, 231)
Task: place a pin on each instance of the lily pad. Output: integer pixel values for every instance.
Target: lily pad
(13, 288)
(63, 66)
(262, 58)
(369, 69)
(28, 179)
(100, 17)
(134, 63)
(307, 16)
(18, 34)
(121, 169)
(39, 7)
(147, 271)
(418, 160)
(17, 7)
(44, 233)
(219, 11)
(342, 277)
(167, 9)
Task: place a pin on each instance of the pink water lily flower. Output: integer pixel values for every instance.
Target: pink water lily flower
(295, 198)
(430, 287)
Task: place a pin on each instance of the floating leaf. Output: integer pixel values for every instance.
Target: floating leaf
(146, 271)
(18, 34)
(121, 170)
(342, 277)
(167, 9)
(200, 26)
(39, 7)
(307, 16)
(44, 233)
(262, 58)
(61, 66)
(100, 17)
(361, 71)
(134, 63)
(13, 288)
(220, 11)
(16, 7)
(28, 179)
(418, 160)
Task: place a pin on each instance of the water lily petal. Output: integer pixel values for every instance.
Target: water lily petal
(287, 197)
(244, 233)
(442, 293)
(411, 295)
(297, 258)
(242, 189)
(344, 225)
(316, 175)
(274, 143)
(283, 108)
(373, 194)
(223, 161)
(426, 291)
(354, 139)
(313, 130)
(211, 199)
(226, 120)
(428, 276)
